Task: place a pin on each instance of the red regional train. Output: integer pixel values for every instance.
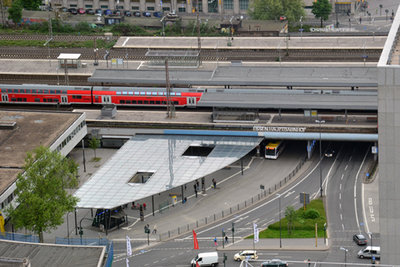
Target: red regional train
(121, 96)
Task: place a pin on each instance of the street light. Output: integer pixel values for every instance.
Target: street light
(370, 251)
(345, 254)
(320, 154)
(280, 222)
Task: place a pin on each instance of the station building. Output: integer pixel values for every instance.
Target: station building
(221, 7)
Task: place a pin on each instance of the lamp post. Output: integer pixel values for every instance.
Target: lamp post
(345, 254)
(280, 222)
(320, 155)
(370, 236)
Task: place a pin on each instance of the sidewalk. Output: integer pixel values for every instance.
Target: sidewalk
(274, 244)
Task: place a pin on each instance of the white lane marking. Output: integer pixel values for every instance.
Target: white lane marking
(341, 217)
(340, 195)
(141, 63)
(342, 177)
(288, 194)
(126, 40)
(362, 195)
(340, 205)
(342, 226)
(345, 168)
(241, 219)
(340, 187)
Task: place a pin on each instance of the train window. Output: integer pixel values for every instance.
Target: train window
(154, 93)
(142, 93)
(118, 93)
(45, 91)
(19, 99)
(40, 91)
(44, 100)
(178, 94)
(58, 91)
(139, 102)
(145, 102)
(133, 101)
(9, 91)
(176, 103)
(172, 93)
(15, 91)
(13, 99)
(56, 100)
(34, 91)
(148, 93)
(52, 91)
(24, 99)
(128, 101)
(136, 93)
(37, 99)
(164, 102)
(122, 101)
(130, 93)
(124, 93)
(28, 91)
(158, 102)
(151, 102)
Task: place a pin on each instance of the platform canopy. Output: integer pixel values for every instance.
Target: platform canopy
(148, 165)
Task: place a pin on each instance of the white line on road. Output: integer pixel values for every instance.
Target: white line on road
(355, 195)
(288, 194)
(341, 217)
(340, 205)
(345, 168)
(340, 195)
(342, 177)
(340, 187)
(342, 226)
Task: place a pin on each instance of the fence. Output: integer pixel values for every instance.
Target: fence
(227, 212)
(20, 237)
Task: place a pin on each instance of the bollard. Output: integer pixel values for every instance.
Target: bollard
(245, 204)
(205, 219)
(238, 206)
(275, 187)
(214, 216)
(188, 227)
(230, 210)
(179, 231)
(222, 214)
(252, 200)
(197, 224)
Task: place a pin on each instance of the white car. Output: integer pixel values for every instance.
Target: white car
(246, 254)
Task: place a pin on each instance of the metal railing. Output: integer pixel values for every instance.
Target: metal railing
(231, 210)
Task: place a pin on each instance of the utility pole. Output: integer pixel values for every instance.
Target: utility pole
(170, 104)
(66, 72)
(198, 31)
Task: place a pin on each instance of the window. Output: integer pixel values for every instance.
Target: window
(176, 103)
(166, 9)
(146, 102)
(157, 102)
(122, 101)
(133, 101)
(104, 7)
(228, 4)
(52, 91)
(128, 101)
(135, 8)
(72, 5)
(37, 99)
(150, 8)
(182, 10)
(243, 4)
(151, 102)
(88, 6)
(139, 102)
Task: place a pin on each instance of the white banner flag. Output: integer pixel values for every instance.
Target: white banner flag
(127, 262)
(255, 233)
(128, 247)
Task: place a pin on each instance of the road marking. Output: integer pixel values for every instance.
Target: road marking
(340, 205)
(288, 194)
(362, 192)
(340, 195)
(342, 226)
(141, 63)
(241, 219)
(126, 40)
(341, 217)
(342, 177)
(345, 168)
(340, 187)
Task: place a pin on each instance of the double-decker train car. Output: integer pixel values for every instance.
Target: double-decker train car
(121, 96)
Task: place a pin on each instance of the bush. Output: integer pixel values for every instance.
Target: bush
(311, 214)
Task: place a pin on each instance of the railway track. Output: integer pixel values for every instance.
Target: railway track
(347, 55)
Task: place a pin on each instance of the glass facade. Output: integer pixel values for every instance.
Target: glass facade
(243, 4)
(228, 4)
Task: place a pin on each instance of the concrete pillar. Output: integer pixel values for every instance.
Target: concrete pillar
(220, 3)
(143, 5)
(158, 5)
(189, 6)
(205, 6)
(127, 5)
(80, 4)
(96, 4)
(111, 4)
(65, 3)
(174, 6)
(236, 9)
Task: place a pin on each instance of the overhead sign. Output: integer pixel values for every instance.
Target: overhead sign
(278, 129)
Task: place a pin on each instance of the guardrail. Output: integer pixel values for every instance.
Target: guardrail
(233, 209)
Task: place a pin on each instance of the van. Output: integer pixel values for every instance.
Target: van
(246, 255)
(206, 259)
(370, 252)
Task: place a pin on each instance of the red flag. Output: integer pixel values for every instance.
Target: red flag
(195, 242)
(197, 264)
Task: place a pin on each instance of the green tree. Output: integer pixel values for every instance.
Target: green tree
(322, 9)
(15, 11)
(94, 144)
(31, 4)
(41, 191)
(291, 216)
(273, 9)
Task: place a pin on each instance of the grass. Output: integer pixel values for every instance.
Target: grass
(303, 228)
(96, 159)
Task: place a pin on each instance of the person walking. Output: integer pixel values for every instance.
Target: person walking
(214, 183)
(155, 229)
(226, 239)
(215, 242)
(195, 189)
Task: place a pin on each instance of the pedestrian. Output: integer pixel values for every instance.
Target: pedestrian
(144, 206)
(195, 189)
(214, 183)
(155, 229)
(226, 239)
(215, 242)
(197, 184)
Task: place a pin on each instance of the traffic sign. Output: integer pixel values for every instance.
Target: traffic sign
(300, 30)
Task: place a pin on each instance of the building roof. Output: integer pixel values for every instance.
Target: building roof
(166, 160)
(32, 129)
(63, 56)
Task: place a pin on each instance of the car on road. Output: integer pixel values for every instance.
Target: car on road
(136, 14)
(205, 259)
(370, 252)
(329, 153)
(81, 11)
(90, 11)
(246, 254)
(274, 263)
(360, 239)
(98, 11)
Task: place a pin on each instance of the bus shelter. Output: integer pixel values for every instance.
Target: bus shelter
(69, 60)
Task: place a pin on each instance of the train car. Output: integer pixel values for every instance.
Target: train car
(134, 96)
(45, 94)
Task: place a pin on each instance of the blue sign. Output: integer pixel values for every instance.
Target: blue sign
(300, 30)
(160, 2)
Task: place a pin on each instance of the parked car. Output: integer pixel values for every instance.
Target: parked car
(127, 13)
(99, 11)
(90, 11)
(136, 14)
(64, 9)
(172, 15)
(274, 263)
(73, 11)
(360, 239)
(157, 14)
(146, 14)
(81, 11)
(107, 12)
(246, 254)
(117, 12)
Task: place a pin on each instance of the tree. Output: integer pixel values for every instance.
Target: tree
(15, 12)
(322, 9)
(41, 191)
(274, 9)
(291, 216)
(31, 4)
(94, 144)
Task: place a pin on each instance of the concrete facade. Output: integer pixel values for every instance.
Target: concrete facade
(389, 147)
